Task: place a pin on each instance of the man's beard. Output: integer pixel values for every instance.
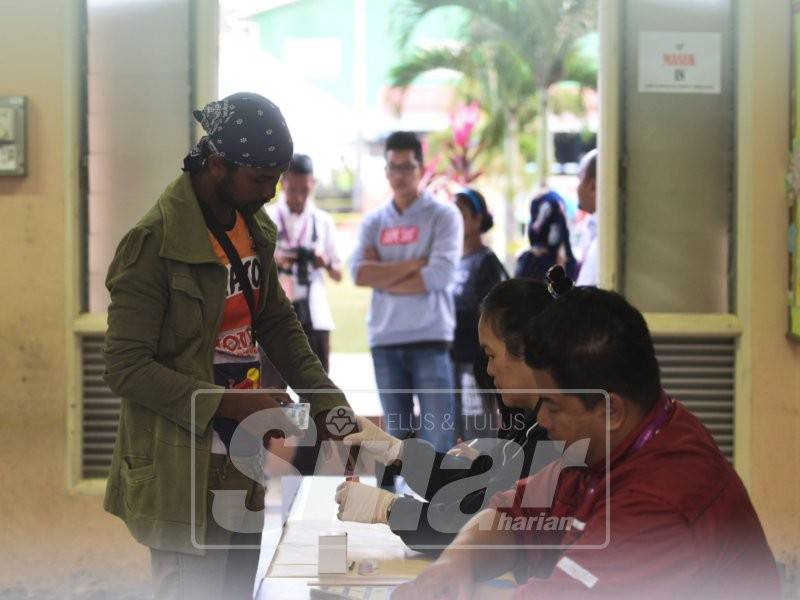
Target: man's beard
(223, 190)
(251, 208)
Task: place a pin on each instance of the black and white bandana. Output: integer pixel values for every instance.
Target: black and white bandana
(244, 128)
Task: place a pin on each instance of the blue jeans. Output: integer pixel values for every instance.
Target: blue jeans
(399, 370)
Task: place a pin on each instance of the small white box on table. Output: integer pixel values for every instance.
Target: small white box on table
(333, 553)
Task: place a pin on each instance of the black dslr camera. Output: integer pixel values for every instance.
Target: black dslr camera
(305, 264)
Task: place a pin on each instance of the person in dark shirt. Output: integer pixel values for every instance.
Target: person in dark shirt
(548, 235)
(478, 272)
(491, 464)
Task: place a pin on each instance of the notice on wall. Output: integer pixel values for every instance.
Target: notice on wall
(672, 62)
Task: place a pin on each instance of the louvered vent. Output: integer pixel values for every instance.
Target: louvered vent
(100, 412)
(697, 371)
(700, 373)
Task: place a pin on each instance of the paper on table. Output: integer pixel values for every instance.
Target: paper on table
(306, 533)
(296, 555)
(327, 592)
(297, 535)
(292, 571)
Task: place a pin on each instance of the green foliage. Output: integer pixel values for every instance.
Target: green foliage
(541, 33)
(581, 69)
(528, 147)
(566, 97)
(511, 54)
(510, 51)
(423, 61)
(502, 89)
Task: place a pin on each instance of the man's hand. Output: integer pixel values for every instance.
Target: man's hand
(320, 452)
(375, 441)
(285, 259)
(320, 262)
(363, 503)
(449, 578)
(382, 275)
(238, 406)
(419, 263)
(481, 551)
(413, 283)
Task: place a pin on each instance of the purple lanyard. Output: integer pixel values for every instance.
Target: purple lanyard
(655, 425)
(285, 229)
(658, 422)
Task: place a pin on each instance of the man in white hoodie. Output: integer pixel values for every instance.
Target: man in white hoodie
(407, 252)
(306, 247)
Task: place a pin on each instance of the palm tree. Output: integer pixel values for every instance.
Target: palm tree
(499, 81)
(513, 52)
(493, 76)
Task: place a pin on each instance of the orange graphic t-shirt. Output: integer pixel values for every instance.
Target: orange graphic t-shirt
(236, 354)
(235, 337)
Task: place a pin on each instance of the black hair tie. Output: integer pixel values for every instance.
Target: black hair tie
(558, 283)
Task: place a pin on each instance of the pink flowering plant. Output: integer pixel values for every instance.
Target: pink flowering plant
(454, 164)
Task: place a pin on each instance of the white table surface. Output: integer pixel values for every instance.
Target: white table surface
(289, 553)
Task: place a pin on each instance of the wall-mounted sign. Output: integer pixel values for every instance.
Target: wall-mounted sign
(12, 135)
(680, 63)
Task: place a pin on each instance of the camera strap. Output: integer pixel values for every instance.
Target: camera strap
(216, 229)
(283, 230)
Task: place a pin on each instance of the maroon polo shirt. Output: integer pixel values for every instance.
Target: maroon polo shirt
(680, 522)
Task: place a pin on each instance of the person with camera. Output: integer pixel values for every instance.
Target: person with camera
(306, 247)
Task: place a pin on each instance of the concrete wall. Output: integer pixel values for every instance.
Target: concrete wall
(47, 534)
(50, 536)
(773, 361)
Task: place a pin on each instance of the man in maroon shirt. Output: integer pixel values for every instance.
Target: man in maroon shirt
(656, 511)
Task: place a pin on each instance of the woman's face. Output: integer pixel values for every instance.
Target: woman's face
(472, 222)
(512, 377)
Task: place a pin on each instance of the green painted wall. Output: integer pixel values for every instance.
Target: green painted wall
(336, 19)
(313, 19)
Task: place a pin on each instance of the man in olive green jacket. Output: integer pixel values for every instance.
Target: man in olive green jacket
(168, 291)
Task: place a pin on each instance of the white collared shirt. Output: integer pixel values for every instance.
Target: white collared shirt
(299, 231)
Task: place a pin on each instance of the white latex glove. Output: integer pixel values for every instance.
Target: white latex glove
(363, 503)
(375, 441)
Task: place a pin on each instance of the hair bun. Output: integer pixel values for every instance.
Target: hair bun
(487, 223)
(557, 281)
